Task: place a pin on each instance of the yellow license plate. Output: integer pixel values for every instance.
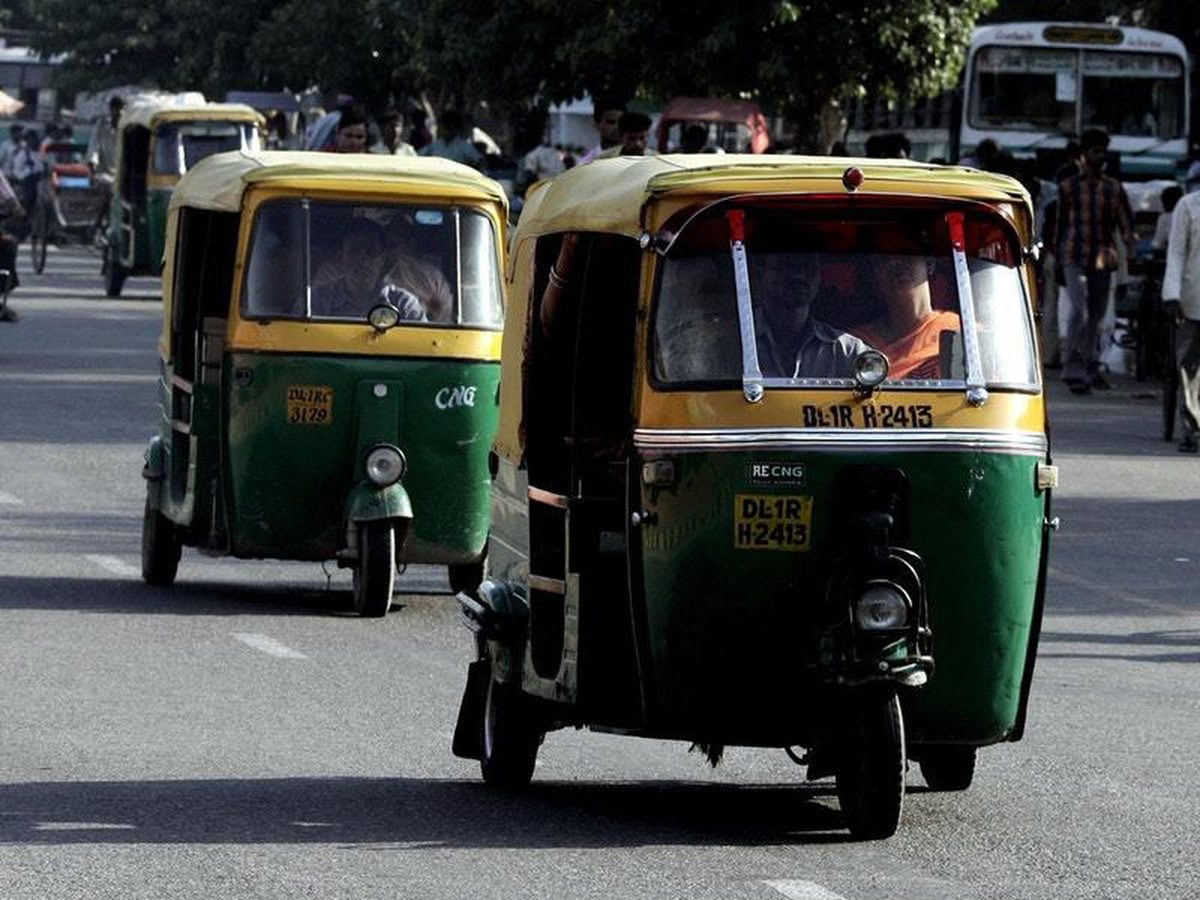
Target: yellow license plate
(309, 404)
(771, 522)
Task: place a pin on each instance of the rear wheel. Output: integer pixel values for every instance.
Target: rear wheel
(160, 547)
(948, 768)
(509, 738)
(375, 574)
(870, 778)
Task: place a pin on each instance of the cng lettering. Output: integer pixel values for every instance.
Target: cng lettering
(455, 396)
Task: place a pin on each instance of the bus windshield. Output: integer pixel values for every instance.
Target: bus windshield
(1046, 89)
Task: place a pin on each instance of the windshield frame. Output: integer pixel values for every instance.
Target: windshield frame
(306, 198)
(935, 205)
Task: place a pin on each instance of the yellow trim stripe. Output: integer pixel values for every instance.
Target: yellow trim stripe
(363, 340)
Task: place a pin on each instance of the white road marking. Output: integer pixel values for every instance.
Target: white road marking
(268, 645)
(10, 499)
(803, 890)
(1177, 559)
(114, 565)
(82, 826)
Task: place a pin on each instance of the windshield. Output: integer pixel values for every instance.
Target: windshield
(1024, 89)
(180, 145)
(825, 288)
(1139, 94)
(313, 259)
(1039, 89)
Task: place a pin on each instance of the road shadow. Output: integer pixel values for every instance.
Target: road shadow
(199, 598)
(402, 812)
(1184, 642)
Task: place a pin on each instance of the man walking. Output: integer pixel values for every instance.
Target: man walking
(1091, 208)
(1181, 301)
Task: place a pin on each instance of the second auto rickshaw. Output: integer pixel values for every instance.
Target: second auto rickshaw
(330, 359)
(158, 140)
(771, 470)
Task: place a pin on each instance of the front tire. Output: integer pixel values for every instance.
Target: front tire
(509, 737)
(948, 768)
(375, 574)
(114, 275)
(870, 778)
(38, 239)
(161, 548)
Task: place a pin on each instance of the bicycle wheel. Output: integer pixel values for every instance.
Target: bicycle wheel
(1170, 394)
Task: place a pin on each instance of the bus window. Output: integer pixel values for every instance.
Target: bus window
(1024, 88)
(1136, 94)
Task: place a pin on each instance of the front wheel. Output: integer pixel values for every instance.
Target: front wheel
(38, 239)
(509, 738)
(375, 573)
(870, 778)
(160, 547)
(114, 275)
(948, 768)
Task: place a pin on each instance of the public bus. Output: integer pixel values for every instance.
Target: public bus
(1030, 86)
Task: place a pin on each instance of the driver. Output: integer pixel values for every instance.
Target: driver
(791, 343)
(350, 279)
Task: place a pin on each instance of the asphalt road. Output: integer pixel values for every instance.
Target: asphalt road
(245, 735)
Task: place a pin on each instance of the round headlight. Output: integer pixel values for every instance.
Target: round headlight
(385, 465)
(383, 316)
(881, 606)
(870, 369)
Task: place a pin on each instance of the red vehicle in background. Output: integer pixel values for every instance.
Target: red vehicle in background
(734, 126)
(70, 204)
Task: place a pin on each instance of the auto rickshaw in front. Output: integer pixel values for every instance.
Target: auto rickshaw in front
(329, 366)
(771, 470)
(158, 140)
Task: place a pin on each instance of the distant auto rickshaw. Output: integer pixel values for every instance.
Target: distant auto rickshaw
(70, 204)
(330, 361)
(771, 470)
(158, 140)
(737, 126)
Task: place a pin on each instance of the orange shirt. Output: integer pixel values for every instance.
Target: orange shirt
(917, 350)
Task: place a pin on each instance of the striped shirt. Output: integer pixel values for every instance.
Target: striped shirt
(1090, 210)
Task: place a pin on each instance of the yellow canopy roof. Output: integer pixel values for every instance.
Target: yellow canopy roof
(149, 112)
(219, 181)
(608, 195)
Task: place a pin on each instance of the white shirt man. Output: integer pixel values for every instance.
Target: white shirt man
(1181, 297)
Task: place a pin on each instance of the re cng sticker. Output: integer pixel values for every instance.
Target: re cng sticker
(771, 522)
(309, 404)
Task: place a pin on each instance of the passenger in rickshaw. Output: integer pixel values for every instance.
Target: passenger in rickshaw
(408, 269)
(909, 331)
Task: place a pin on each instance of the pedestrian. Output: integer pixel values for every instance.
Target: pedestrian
(1092, 207)
(351, 135)
(419, 135)
(452, 143)
(10, 208)
(1181, 301)
(10, 144)
(633, 132)
(102, 147)
(606, 113)
(390, 142)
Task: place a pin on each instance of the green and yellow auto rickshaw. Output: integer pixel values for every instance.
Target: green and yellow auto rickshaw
(158, 140)
(771, 470)
(330, 366)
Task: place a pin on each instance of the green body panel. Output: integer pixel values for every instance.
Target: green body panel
(150, 259)
(727, 626)
(146, 224)
(287, 486)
